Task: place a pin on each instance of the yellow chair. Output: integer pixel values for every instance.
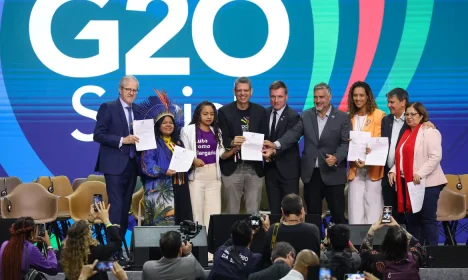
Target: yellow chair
(59, 186)
(451, 207)
(83, 197)
(77, 182)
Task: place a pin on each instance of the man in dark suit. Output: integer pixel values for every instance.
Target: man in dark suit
(241, 177)
(281, 171)
(282, 256)
(117, 152)
(323, 164)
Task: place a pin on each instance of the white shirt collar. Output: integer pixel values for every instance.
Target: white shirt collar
(294, 274)
(327, 114)
(402, 117)
(125, 105)
(279, 112)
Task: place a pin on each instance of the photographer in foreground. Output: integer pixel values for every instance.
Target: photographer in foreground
(236, 261)
(177, 261)
(399, 253)
(338, 252)
(292, 229)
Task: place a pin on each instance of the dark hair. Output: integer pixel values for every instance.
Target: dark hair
(339, 237)
(170, 244)
(292, 204)
(196, 119)
(277, 85)
(370, 104)
(12, 257)
(420, 109)
(175, 133)
(395, 244)
(241, 233)
(281, 250)
(400, 94)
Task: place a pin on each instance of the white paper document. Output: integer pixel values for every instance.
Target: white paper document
(182, 159)
(252, 147)
(144, 130)
(416, 194)
(357, 145)
(379, 151)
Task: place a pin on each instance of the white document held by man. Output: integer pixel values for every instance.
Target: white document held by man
(416, 194)
(252, 147)
(144, 130)
(357, 145)
(182, 159)
(379, 151)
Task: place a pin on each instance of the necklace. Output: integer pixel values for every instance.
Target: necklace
(292, 220)
(360, 126)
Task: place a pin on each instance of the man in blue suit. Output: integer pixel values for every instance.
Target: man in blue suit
(117, 151)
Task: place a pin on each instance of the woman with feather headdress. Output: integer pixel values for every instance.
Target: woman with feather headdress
(167, 195)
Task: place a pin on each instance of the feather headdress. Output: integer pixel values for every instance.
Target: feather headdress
(158, 106)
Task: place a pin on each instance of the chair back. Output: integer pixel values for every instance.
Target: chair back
(60, 186)
(7, 184)
(94, 177)
(83, 197)
(30, 200)
(451, 206)
(77, 182)
(138, 206)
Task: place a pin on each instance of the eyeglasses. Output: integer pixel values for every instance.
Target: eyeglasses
(129, 89)
(411, 114)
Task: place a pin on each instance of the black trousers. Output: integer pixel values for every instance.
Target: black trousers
(119, 191)
(390, 198)
(278, 187)
(315, 191)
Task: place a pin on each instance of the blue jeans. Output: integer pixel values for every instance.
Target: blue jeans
(423, 225)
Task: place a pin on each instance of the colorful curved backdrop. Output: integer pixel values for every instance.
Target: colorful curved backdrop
(61, 59)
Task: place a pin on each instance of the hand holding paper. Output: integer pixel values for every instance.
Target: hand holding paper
(182, 159)
(252, 147)
(144, 130)
(416, 194)
(357, 145)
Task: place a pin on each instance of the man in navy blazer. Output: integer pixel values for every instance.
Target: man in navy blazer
(117, 151)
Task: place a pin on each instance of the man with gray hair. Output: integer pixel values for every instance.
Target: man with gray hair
(323, 163)
(282, 256)
(117, 151)
(241, 177)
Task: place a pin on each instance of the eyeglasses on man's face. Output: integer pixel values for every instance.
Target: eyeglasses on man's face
(129, 89)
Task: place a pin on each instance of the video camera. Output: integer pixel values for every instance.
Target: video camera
(189, 230)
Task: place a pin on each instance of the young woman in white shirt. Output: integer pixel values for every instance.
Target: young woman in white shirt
(203, 136)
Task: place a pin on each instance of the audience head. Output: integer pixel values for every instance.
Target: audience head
(338, 236)
(395, 244)
(285, 252)
(23, 229)
(305, 259)
(397, 99)
(416, 114)
(76, 250)
(171, 244)
(241, 233)
(292, 205)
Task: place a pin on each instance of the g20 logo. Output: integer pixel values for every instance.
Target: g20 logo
(139, 60)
